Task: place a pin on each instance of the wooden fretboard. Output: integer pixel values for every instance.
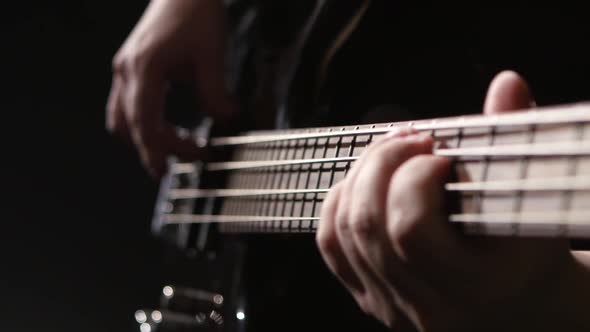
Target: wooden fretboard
(525, 173)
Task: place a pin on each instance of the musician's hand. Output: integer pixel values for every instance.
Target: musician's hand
(174, 40)
(384, 232)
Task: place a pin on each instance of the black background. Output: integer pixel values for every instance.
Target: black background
(76, 251)
(75, 246)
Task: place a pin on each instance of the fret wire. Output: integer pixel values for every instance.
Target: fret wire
(320, 174)
(285, 149)
(233, 206)
(572, 170)
(254, 179)
(351, 150)
(297, 178)
(336, 153)
(319, 181)
(242, 203)
(240, 179)
(523, 171)
(261, 177)
(245, 180)
(268, 198)
(252, 182)
(289, 176)
(265, 177)
(370, 139)
(485, 172)
(460, 133)
(299, 223)
(456, 170)
(547, 115)
(226, 206)
(433, 131)
(243, 177)
(248, 153)
(307, 180)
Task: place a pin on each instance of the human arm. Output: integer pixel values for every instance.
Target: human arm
(384, 233)
(174, 40)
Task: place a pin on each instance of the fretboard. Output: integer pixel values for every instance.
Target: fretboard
(524, 173)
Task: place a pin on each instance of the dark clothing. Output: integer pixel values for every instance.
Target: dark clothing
(437, 60)
(401, 63)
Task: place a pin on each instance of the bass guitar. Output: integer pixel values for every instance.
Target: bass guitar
(522, 174)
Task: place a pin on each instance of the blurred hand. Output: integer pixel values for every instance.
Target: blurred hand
(174, 40)
(384, 232)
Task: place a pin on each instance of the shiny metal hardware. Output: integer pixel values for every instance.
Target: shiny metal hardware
(186, 299)
(168, 321)
(183, 309)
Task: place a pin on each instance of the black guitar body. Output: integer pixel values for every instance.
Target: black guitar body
(269, 282)
(291, 289)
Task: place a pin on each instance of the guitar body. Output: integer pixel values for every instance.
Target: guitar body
(290, 289)
(278, 282)
(275, 281)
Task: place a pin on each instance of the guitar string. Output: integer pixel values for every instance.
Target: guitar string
(548, 218)
(546, 149)
(570, 183)
(566, 148)
(550, 115)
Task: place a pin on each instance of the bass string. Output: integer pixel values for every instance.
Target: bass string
(573, 113)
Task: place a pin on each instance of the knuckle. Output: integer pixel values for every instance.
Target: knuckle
(359, 225)
(326, 240)
(118, 63)
(403, 231)
(363, 303)
(326, 237)
(363, 223)
(136, 63)
(342, 220)
(132, 62)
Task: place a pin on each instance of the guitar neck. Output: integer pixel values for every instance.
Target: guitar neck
(521, 174)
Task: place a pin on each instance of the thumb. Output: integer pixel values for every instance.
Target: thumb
(508, 92)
